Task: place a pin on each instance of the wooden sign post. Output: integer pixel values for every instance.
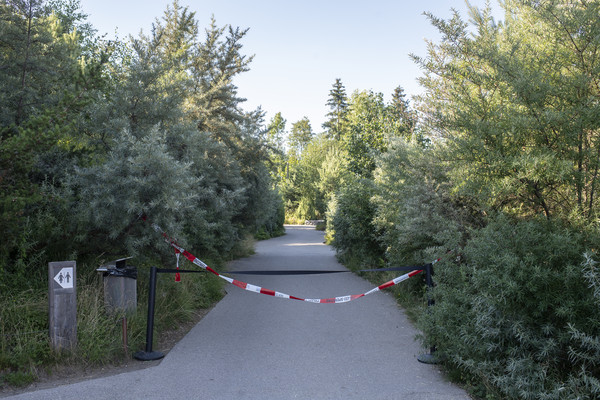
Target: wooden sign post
(62, 289)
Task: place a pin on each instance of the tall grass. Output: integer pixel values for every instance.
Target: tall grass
(24, 338)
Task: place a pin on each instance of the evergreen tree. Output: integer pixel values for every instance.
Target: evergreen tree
(49, 74)
(202, 71)
(213, 102)
(224, 186)
(338, 105)
(38, 58)
(401, 119)
(175, 35)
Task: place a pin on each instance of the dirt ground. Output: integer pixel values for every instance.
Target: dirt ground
(67, 374)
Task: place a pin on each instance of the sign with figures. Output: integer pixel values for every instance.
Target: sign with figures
(65, 278)
(62, 298)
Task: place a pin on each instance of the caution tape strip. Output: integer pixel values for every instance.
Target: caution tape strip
(257, 289)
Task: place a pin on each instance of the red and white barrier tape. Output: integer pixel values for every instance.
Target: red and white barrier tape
(257, 289)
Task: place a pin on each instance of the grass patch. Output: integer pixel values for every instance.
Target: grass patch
(24, 341)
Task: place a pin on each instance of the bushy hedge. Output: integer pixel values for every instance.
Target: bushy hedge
(416, 215)
(516, 299)
(515, 309)
(351, 224)
(113, 130)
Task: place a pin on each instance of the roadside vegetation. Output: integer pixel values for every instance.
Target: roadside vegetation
(93, 133)
(494, 170)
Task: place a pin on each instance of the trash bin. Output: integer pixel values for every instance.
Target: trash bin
(120, 286)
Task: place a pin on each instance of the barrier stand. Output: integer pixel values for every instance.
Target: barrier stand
(429, 358)
(148, 354)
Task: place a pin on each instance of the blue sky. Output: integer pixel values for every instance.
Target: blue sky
(301, 47)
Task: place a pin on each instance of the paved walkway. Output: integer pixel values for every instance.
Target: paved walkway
(253, 346)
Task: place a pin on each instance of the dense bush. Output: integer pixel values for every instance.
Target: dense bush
(351, 224)
(124, 128)
(94, 133)
(509, 306)
(417, 215)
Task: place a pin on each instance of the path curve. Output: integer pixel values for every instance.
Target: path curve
(253, 346)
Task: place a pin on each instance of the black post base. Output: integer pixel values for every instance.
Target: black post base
(148, 355)
(427, 359)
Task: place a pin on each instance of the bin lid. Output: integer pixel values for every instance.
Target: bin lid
(120, 263)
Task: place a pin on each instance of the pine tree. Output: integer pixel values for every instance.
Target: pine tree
(338, 104)
(45, 85)
(213, 101)
(401, 120)
(38, 58)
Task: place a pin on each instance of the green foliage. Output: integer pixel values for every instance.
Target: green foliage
(300, 135)
(312, 180)
(503, 189)
(338, 105)
(95, 133)
(351, 224)
(584, 350)
(417, 215)
(275, 147)
(370, 123)
(276, 132)
(115, 132)
(139, 176)
(37, 60)
(46, 82)
(401, 121)
(508, 307)
(507, 107)
(365, 135)
(24, 342)
(357, 132)
(514, 102)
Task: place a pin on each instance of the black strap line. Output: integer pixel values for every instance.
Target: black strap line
(410, 268)
(285, 272)
(294, 271)
(168, 270)
(316, 271)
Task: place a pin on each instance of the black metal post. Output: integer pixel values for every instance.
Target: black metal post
(148, 354)
(429, 358)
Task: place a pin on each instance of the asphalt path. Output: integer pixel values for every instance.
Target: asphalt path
(254, 346)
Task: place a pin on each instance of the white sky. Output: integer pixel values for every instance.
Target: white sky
(302, 46)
